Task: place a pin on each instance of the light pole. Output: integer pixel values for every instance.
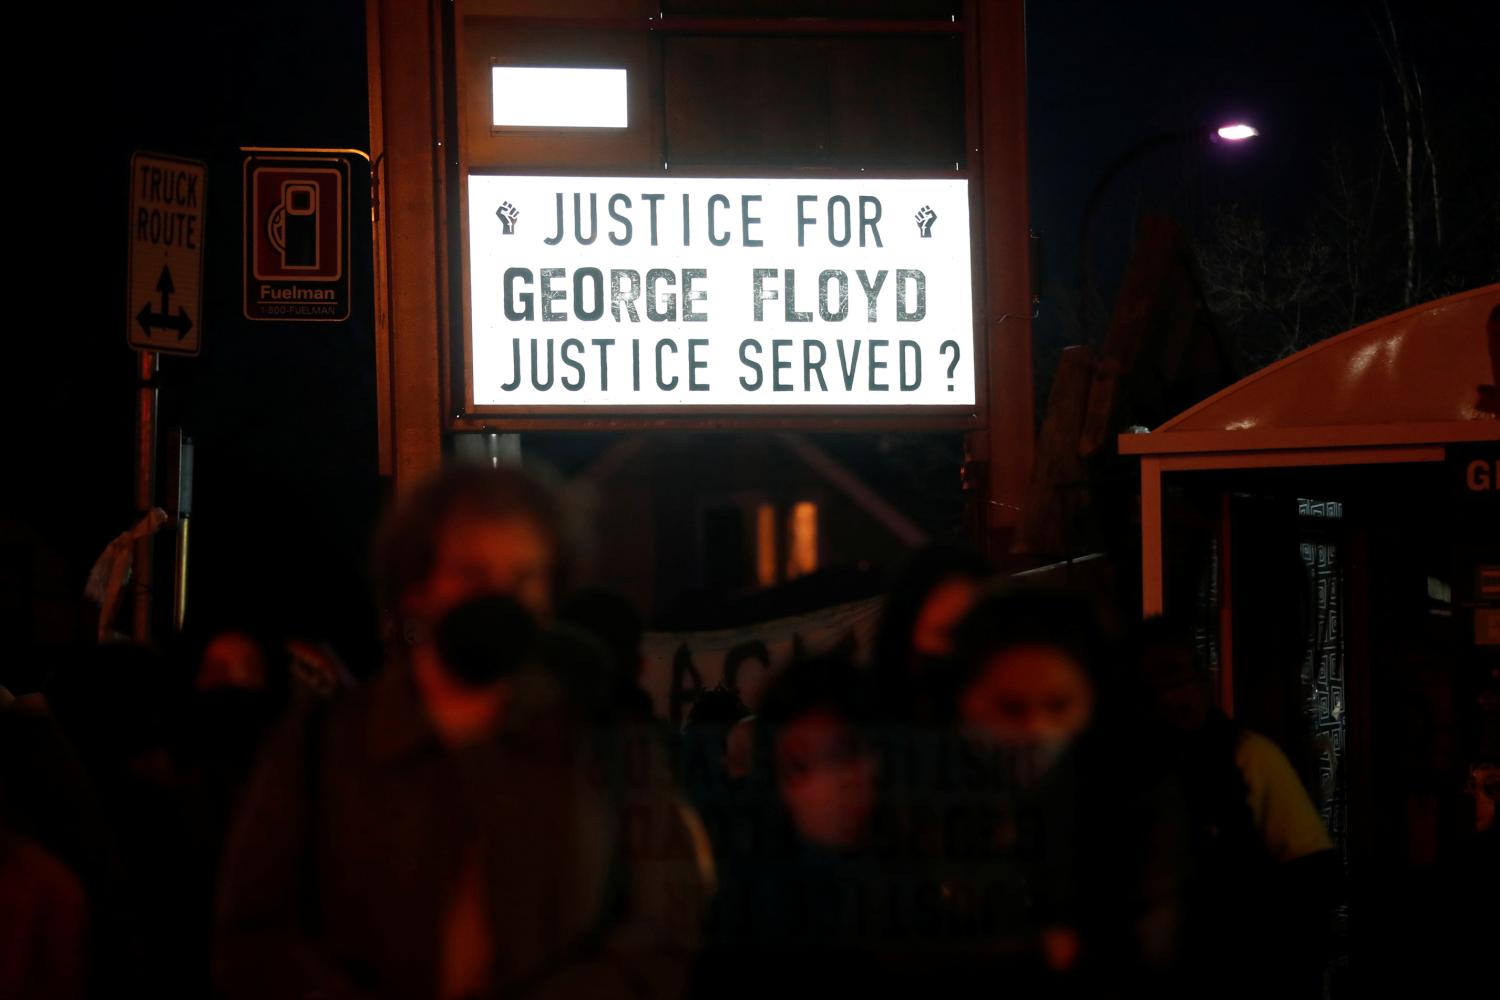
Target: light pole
(1233, 132)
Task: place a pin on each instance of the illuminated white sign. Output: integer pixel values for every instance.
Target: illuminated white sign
(661, 292)
(558, 97)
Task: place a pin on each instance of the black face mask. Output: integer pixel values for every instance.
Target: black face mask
(485, 639)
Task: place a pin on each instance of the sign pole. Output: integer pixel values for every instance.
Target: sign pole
(163, 314)
(145, 490)
(184, 522)
(1007, 446)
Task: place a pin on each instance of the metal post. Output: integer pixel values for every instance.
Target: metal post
(1226, 603)
(407, 73)
(1153, 585)
(1007, 445)
(184, 519)
(145, 491)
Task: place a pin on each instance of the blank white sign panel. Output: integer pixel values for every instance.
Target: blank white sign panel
(559, 97)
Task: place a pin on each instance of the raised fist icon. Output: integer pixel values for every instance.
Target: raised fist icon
(925, 218)
(508, 214)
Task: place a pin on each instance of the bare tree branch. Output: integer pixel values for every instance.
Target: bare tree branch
(1397, 66)
(1437, 202)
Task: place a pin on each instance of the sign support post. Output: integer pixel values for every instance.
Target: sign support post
(145, 492)
(1003, 451)
(163, 314)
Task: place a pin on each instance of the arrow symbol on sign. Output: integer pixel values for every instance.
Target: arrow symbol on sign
(164, 320)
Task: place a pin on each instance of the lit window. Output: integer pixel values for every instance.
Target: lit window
(802, 540)
(765, 545)
(558, 97)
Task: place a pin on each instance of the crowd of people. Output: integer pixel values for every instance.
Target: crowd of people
(996, 796)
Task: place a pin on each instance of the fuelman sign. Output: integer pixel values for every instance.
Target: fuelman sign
(655, 292)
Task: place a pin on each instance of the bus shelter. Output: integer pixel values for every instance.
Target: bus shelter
(1331, 527)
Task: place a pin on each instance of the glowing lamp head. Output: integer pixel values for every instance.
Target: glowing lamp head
(1237, 132)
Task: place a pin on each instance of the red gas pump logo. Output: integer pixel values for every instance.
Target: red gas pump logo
(300, 225)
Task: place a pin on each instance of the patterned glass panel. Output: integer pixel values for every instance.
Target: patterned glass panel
(1325, 706)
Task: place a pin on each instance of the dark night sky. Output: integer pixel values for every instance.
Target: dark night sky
(1309, 74)
(284, 414)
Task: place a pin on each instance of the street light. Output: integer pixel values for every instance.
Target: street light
(1233, 132)
(1237, 132)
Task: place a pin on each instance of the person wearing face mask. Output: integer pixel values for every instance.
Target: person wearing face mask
(450, 830)
(1065, 847)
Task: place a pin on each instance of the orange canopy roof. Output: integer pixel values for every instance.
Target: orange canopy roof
(1427, 375)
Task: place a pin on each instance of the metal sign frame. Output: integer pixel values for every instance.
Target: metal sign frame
(417, 109)
(457, 333)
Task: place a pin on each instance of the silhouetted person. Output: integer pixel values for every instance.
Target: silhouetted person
(47, 797)
(913, 668)
(1259, 908)
(912, 661)
(51, 836)
(704, 762)
(448, 831)
(234, 686)
(43, 947)
(612, 620)
(113, 704)
(804, 909)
